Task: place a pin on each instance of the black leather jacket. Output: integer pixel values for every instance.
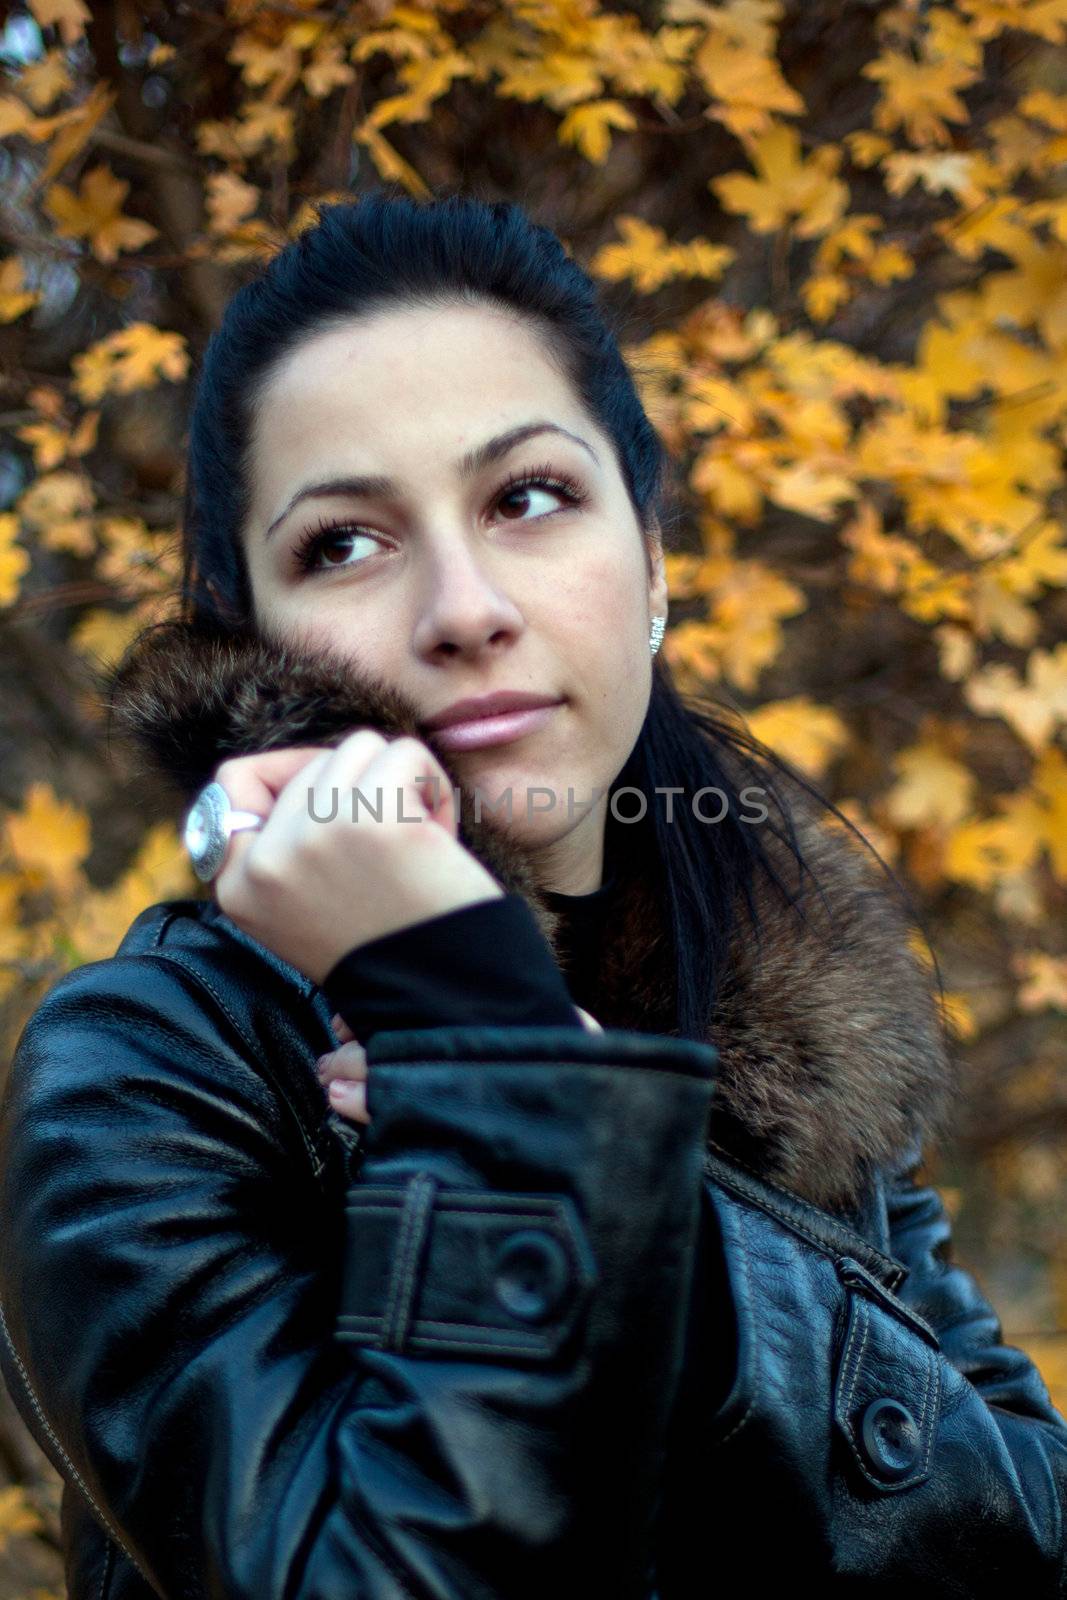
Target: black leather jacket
(449, 1358)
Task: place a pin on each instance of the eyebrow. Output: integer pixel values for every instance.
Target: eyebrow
(468, 466)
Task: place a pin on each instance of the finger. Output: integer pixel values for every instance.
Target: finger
(348, 1061)
(349, 1100)
(589, 1022)
(341, 1028)
(406, 765)
(254, 782)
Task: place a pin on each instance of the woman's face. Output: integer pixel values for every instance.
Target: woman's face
(443, 581)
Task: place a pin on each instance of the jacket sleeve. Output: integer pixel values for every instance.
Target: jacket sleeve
(458, 1389)
(996, 1500)
(486, 962)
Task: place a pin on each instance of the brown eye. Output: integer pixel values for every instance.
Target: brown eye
(520, 493)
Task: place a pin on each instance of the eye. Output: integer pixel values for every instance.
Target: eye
(325, 536)
(519, 486)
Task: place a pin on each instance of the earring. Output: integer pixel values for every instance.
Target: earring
(655, 638)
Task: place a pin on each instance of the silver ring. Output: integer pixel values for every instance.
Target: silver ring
(208, 825)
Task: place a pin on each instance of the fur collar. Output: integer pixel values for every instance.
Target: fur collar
(832, 1057)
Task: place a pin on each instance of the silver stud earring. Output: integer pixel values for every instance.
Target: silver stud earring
(655, 638)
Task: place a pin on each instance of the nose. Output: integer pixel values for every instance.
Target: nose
(464, 607)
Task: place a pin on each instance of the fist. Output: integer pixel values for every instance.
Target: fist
(359, 841)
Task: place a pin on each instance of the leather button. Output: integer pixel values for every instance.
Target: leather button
(891, 1439)
(531, 1274)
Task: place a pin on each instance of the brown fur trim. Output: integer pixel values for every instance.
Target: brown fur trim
(832, 1058)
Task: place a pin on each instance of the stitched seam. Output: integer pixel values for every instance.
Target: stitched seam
(825, 1245)
(206, 985)
(58, 1447)
(424, 1323)
(418, 1341)
(857, 1368)
(106, 1572)
(746, 1414)
(414, 1228)
(456, 1200)
(934, 1409)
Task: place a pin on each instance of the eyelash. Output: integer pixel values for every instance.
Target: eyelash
(545, 477)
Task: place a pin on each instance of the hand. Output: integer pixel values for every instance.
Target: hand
(312, 889)
(343, 1072)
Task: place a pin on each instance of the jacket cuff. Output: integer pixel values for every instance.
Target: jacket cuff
(483, 963)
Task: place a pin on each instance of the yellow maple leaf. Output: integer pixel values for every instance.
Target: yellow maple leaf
(69, 16)
(1040, 559)
(1046, 18)
(1033, 294)
(879, 560)
(649, 258)
(43, 81)
(747, 603)
(262, 63)
(962, 173)
(95, 214)
(933, 788)
(1044, 978)
(57, 506)
(995, 223)
(809, 735)
(160, 871)
(920, 96)
(135, 357)
(587, 127)
(101, 636)
(804, 194)
(866, 148)
(957, 649)
(949, 35)
(824, 293)
(71, 130)
(327, 70)
(805, 487)
(48, 838)
(17, 1514)
(15, 298)
(731, 473)
(15, 117)
(229, 201)
(52, 444)
(746, 85)
(14, 560)
(1034, 706)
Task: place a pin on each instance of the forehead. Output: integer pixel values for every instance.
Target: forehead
(458, 363)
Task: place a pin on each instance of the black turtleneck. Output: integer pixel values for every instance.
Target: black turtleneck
(487, 962)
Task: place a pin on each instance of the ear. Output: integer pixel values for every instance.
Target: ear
(657, 581)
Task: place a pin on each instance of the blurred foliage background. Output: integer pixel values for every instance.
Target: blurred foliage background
(834, 237)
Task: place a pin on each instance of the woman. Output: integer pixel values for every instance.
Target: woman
(613, 1250)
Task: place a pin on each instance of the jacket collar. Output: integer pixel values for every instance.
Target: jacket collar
(832, 1058)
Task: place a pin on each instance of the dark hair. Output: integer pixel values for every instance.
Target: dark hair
(389, 251)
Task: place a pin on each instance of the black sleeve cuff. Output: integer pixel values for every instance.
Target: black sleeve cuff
(482, 963)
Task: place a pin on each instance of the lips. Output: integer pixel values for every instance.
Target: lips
(491, 705)
(477, 732)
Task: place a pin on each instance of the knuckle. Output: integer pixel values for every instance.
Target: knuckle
(262, 869)
(367, 736)
(229, 768)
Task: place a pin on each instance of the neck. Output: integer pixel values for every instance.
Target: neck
(574, 864)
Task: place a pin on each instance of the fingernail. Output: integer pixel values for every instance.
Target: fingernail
(341, 1089)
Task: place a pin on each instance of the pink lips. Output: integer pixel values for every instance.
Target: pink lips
(499, 729)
